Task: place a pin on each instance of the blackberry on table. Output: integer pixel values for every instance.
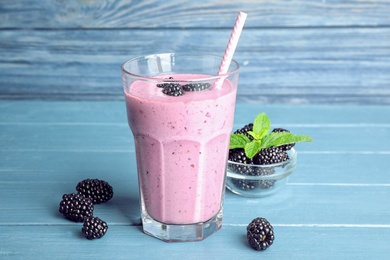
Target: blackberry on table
(94, 227)
(76, 207)
(286, 146)
(260, 234)
(173, 89)
(98, 191)
(196, 86)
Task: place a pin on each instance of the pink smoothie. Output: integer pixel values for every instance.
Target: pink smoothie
(182, 146)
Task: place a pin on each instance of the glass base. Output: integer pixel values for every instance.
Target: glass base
(181, 233)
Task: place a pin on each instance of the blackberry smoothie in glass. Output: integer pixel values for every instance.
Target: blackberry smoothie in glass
(181, 116)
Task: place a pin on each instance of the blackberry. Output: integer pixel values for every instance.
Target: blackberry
(163, 85)
(94, 227)
(264, 171)
(76, 207)
(245, 184)
(260, 234)
(196, 86)
(286, 146)
(238, 156)
(264, 157)
(173, 89)
(270, 156)
(98, 191)
(244, 130)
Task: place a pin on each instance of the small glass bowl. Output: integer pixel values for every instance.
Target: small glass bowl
(259, 180)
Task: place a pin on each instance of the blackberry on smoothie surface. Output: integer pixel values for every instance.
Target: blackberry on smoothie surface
(173, 89)
(196, 86)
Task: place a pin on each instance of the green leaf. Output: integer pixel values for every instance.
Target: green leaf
(252, 148)
(238, 141)
(254, 135)
(263, 133)
(261, 125)
(263, 138)
(270, 140)
(290, 138)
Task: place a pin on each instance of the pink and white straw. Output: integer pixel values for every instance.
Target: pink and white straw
(232, 44)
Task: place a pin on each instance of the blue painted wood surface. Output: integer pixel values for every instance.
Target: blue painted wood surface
(191, 14)
(335, 205)
(320, 68)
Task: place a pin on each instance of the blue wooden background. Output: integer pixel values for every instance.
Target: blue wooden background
(307, 51)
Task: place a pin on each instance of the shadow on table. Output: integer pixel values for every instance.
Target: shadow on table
(128, 207)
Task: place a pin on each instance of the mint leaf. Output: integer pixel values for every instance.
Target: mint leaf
(254, 135)
(252, 148)
(261, 125)
(238, 141)
(290, 138)
(270, 140)
(262, 138)
(263, 132)
(258, 136)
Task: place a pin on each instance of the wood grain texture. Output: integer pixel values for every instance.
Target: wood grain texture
(338, 193)
(290, 51)
(57, 14)
(312, 66)
(338, 65)
(128, 242)
(117, 138)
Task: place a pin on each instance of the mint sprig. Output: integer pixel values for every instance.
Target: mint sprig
(238, 141)
(262, 138)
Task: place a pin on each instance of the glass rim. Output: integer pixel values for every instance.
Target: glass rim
(211, 78)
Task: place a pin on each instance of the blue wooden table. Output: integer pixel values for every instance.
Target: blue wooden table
(335, 205)
(320, 68)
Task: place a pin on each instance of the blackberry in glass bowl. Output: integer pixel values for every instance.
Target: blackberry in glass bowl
(260, 180)
(260, 160)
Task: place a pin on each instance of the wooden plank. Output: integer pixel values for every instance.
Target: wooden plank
(307, 204)
(277, 65)
(64, 124)
(124, 242)
(191, 14)
(314, 168)
(119, 139)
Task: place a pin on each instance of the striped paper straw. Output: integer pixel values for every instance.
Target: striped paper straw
(232, 44)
